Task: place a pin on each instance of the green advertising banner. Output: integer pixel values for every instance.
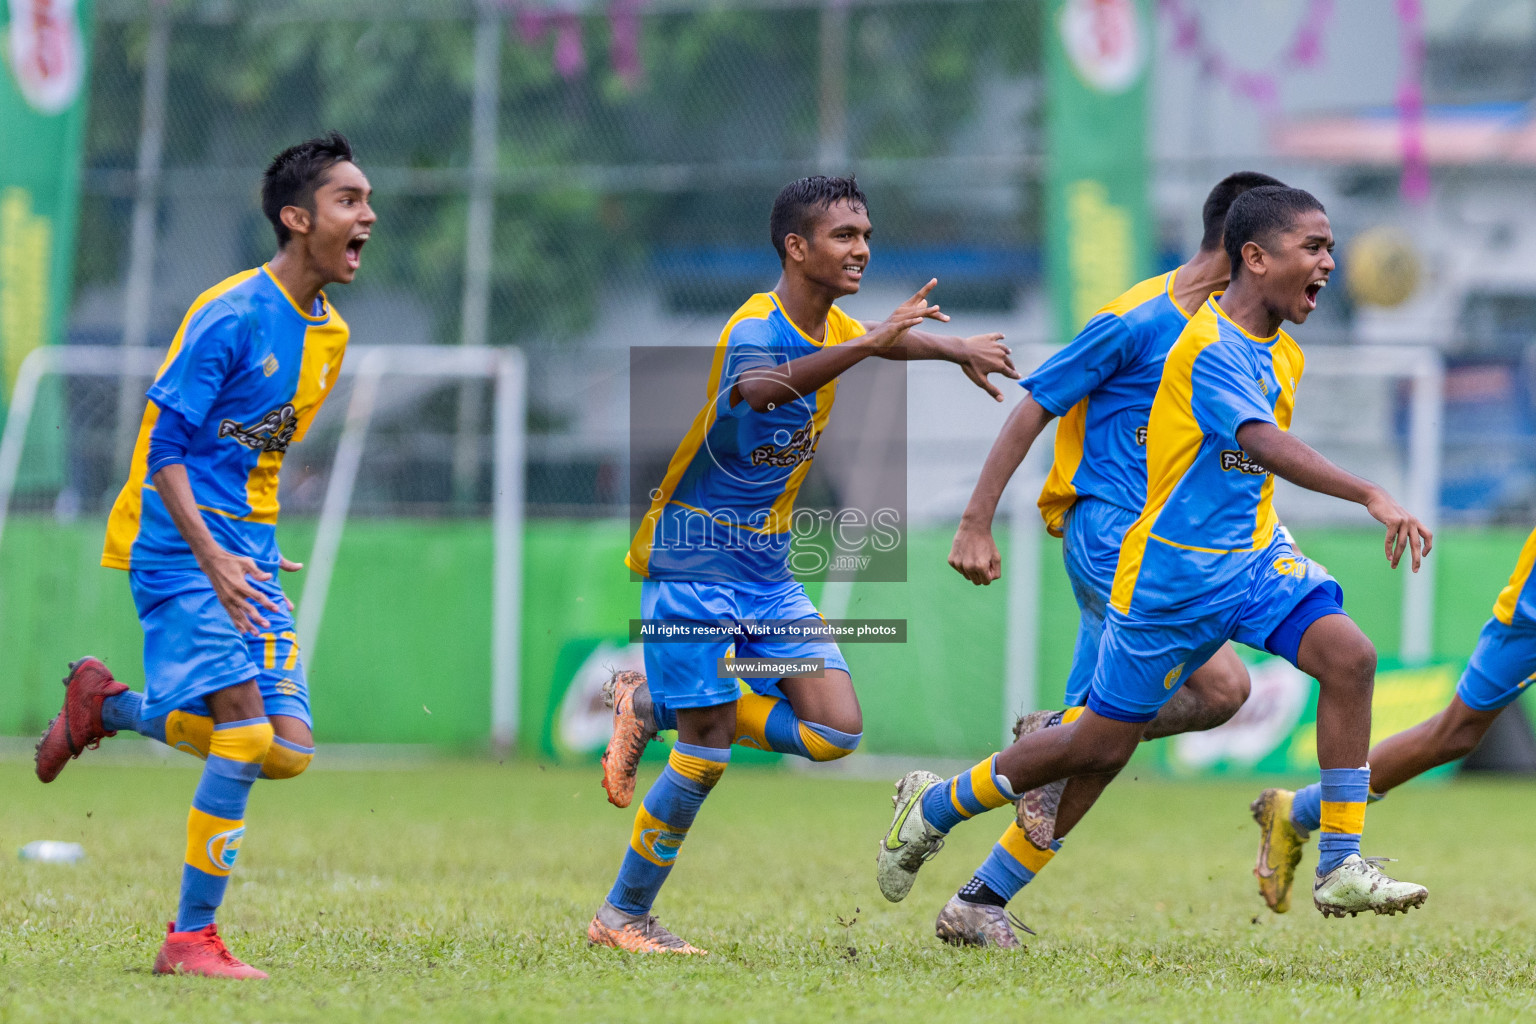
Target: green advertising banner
(1098, 227)
(46, 46)
(1275, 732)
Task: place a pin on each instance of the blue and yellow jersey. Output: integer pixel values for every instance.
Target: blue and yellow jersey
(248, 370)
(1101, 385)
(722, 512)
(1209, 509)
(1516, 605)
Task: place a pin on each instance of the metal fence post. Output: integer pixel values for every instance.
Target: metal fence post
(139, 289)
(479, 236)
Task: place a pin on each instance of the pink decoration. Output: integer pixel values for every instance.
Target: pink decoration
(1414, 184)
(1262, 88)
(624, 17)
(533, 26)
(570, 58)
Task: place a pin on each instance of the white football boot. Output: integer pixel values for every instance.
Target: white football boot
(910, 840)
(1359, 884)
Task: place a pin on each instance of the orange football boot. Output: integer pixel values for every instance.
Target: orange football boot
(630, 735)
(642, 934)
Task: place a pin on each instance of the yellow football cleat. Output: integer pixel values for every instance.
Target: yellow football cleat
(1280, 844)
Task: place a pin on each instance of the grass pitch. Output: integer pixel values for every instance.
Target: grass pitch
(453, 892)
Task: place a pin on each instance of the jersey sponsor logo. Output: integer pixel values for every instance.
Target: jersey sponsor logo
(1240, 461)
(47, 53)
(1141, 435)
(269, 434)
(787, 450)
(224, 847)
(1263, 386)
(269, 365)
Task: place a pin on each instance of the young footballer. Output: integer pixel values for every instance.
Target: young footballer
(196, 528)
(1102, 386)
(713, 546)
(1501, 668)
(1206, 562)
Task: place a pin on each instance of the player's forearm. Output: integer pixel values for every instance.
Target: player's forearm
(175, 491)
(923, 345)
(1013, 443)
(1292, 459)
(798, 378)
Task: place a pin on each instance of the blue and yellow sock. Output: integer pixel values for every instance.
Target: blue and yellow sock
(1341, 815)
(662, 823)
(769, 723)
(967, 795)
(216, 825)
(180, 729)
(1013, 863)
(1307, 807)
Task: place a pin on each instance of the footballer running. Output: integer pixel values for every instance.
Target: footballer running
(713, 546)
(195, 526)
(1206, 562)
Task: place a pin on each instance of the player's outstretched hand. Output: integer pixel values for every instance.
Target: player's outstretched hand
(1403, 530)
(974, 555)
(985, 354)
(906, 316)
(228, 573)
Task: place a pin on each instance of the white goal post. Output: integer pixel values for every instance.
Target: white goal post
(1423, 371)
(365, 369)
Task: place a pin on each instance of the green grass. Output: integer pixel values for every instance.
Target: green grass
(456, 892)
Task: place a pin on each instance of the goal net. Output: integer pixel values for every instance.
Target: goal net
(404, 503)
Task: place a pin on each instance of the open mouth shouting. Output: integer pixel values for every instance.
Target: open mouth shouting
(355, 249)
(1313, 290)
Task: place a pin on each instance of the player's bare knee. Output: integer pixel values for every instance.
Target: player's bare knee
(1231, 692)
(1352, 668)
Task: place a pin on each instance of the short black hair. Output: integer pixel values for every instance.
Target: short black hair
(1260, 214)
(799, 203)
(1214, 213)
(295, 174)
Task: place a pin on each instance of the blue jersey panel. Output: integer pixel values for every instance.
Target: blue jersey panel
(1102, 385)
(724, 512)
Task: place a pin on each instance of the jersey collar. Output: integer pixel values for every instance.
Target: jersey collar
(1168, 291)
(789, 320)
(325, 306)
(1221, 313)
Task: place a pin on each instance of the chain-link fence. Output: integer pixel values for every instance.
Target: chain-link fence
(571, 181)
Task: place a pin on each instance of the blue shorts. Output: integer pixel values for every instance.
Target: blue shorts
(1501, 667)
(685, 676)
(1091, 550)
(1144, 660)
(191, 649)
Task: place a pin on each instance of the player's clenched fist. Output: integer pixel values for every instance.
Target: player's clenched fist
(974, 555)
